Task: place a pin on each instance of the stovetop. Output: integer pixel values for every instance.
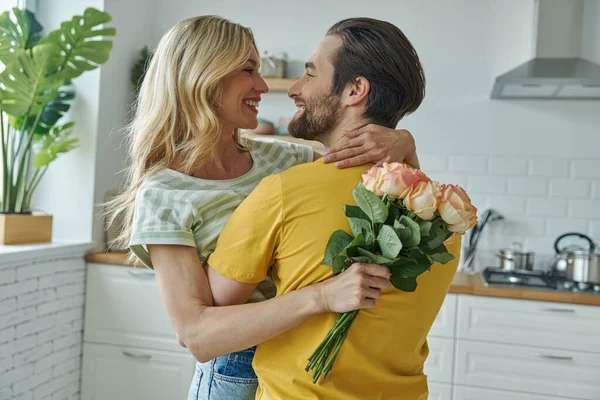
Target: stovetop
(493, 276)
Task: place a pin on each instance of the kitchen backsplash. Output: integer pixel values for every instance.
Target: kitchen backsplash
(540, 198)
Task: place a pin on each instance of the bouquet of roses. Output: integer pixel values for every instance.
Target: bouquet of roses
(403, 221)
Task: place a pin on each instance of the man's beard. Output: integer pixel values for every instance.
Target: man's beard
(318, 118)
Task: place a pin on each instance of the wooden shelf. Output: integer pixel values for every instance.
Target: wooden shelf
(280, 84)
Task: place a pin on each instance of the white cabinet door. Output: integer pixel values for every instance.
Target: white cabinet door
(471, 393)
(527, 322)
(445, 322)
(439, 391)
(528, 369)
(438, 366)
(124, 373)
(123, 307)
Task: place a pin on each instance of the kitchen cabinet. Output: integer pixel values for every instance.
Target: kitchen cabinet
(123, 373)
(514, 349)
(130, 348)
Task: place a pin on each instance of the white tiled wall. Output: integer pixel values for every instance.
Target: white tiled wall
(41, 324)
(541, 198)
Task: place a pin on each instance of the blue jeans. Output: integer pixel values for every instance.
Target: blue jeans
(229, 377)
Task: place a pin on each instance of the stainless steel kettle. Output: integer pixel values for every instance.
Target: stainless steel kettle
(575, 263)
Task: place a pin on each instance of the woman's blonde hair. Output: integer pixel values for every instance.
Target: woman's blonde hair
(175, 122)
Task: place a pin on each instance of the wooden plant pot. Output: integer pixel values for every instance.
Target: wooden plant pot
(25, 228)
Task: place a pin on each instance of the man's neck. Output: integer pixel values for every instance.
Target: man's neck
(336, 136)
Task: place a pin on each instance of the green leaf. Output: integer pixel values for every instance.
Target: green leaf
(52, 113)
(437, 241)
(377, 259)
(425, 228)
(337, 243)
(26, 86)
(81, 43)
(389, 242)
(393, 215)
(404, 284)
(369, 239)
(339, 264)
(370, 204)
(363, 259)
(355, 212)
(409, 270)
(48, 147)
(413, 238)
(359, 226)
(18, 30)
(442, 258)
(138, 70)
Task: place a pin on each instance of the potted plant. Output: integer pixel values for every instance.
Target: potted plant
(35, 94)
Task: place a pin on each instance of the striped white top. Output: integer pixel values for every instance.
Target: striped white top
(174, 208)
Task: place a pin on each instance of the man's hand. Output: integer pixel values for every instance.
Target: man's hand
(357, 287)
(376, 144)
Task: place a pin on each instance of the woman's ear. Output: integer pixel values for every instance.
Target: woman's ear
(358, 91)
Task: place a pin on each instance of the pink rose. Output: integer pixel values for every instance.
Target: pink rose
(423, 199)
(372, 181)
(393, 179)
(456, 209)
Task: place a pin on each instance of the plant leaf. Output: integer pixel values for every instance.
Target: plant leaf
(359, 226)
(81, 43)
(362, 259)
(52, 113)
(442, 258)
(370, 204)
(404, 284)
(377, 259)
(18, 30)
(337, 243)
(48, 147)
(409, 270)
(25, 85)
(413, 238)
(339, 264)
(389, 242)
(425, 228)
(355, 212)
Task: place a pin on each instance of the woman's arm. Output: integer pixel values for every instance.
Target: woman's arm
(376, 144)
(209, 331)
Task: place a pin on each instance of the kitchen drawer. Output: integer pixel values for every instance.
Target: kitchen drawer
(528, 369)
(123, 306)
(445, 322)
(124, 373)
(438, 366)
(526, 322)
(439, 391)
(472, 393)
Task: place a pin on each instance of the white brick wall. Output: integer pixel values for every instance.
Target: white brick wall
(41, 324)
(541, 198)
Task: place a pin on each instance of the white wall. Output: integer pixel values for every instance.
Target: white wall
(80, 179)
(491, 147)
(590, 43)
(133, 20)
(67, 190)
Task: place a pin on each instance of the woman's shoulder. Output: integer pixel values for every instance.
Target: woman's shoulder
(273, 148)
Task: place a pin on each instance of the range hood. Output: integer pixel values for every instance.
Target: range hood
(560, 69)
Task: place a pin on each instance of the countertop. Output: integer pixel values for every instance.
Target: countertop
(462, 284)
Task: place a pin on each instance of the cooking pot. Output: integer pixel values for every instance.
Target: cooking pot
(515, 258)
(575, 263)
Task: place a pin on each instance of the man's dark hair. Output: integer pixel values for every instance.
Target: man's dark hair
(379, 51)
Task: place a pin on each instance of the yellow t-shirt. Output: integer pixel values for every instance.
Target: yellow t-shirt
(286, 222)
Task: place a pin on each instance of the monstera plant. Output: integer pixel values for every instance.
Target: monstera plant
(36, 92)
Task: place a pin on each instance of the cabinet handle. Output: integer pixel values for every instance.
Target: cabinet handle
(145, 357)
(558, 310)
(142, 274)
(552, 357)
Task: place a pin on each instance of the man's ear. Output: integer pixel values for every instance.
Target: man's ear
(358, 91)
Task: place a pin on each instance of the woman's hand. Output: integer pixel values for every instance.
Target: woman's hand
(357, 287)
(376, 144)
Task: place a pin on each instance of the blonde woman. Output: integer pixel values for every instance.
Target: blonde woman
(189, 171)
